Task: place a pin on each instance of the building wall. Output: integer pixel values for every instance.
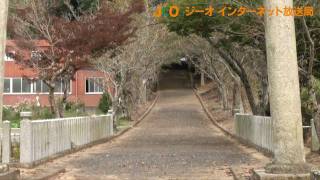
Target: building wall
(78, 87)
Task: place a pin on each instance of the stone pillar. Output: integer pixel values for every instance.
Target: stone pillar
(315, 146)
(284, 89)
(110, 113)
(144, 91)
(4, 4)
(26, 149)
(6, 142)
(3, 36)
(202, 79)
(25, 115)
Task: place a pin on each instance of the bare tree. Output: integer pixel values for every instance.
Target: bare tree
(71, 42)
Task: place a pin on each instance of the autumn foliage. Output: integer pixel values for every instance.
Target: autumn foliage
(71, 41)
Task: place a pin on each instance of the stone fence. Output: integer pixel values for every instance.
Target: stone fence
(44, 139)
(257, 130)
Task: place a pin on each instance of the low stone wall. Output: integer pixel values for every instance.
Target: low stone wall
(256, 130)
(41, 139)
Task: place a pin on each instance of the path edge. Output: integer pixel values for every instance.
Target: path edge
(228, 133)
(140, 119)
(101, 141)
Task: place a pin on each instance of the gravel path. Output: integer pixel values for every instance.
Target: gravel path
(175, 141)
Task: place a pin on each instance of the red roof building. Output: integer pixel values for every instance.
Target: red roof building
(86, 87)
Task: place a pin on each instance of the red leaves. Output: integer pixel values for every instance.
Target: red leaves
(69, 43)
(107, 29)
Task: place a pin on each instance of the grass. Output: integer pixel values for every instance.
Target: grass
(123, 123)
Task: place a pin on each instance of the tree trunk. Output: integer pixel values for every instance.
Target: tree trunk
(237, 103)
(223, 97)
(243, 98)
(284, 90)
(315, 108)
(3, 36)
(238, 69)
(53, 105)
(64, 98)
(234, 96)
(202, 79)
(264, 108)
(222, 88)
(115, 106)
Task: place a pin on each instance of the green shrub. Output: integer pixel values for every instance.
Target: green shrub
(105, 103)
(41, 113)
(317, 88)
(73, 109)
(75, 106)
(11, 115)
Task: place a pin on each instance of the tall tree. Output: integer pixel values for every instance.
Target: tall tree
(308, 35)
(71, 41)
(134, 65)
(245, 30)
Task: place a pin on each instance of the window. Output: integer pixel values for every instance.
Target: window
(68, 85)
(94, 85)
(16, 85)
(9, 56)
(26, 86)
(7, 86)
(41, 87)
(44, 87)
(21, 85)
(36, 55)
(58, 86)
(37, 86)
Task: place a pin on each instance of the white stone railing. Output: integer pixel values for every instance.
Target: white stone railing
(15, 135)
(256, 130)
(42, 139)
(8, 140)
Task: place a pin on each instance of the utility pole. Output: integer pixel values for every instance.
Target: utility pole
(3, 36)
(284, 91)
